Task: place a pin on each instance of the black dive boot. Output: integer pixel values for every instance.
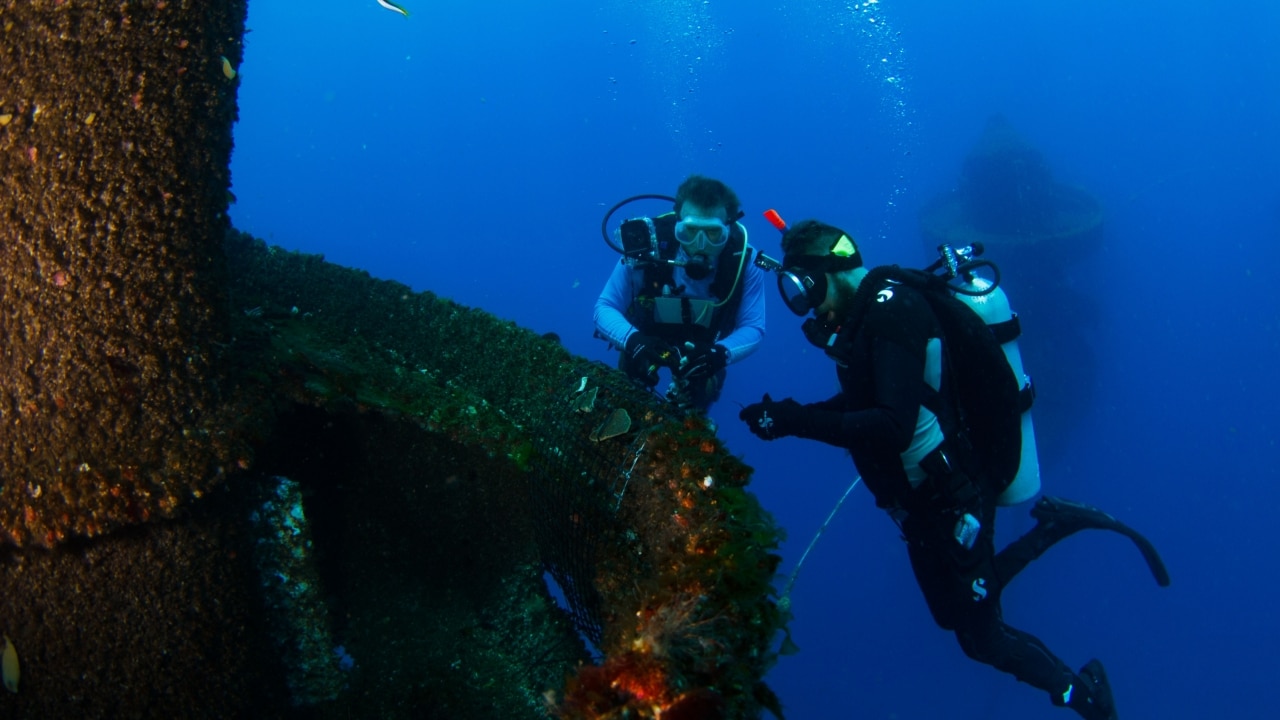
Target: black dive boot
(1091, 697)
(1058, 519)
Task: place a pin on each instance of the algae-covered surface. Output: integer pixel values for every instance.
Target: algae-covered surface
(446, 465)
(114, 151)
(478, 412)
(237, 481)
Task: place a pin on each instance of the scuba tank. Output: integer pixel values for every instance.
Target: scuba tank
(991, 304)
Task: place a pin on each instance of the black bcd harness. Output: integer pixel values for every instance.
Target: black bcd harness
(979, 405)
(659, 276)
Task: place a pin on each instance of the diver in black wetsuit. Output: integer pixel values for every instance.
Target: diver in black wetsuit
(886, 339)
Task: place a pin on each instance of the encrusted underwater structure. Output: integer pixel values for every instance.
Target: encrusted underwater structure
(237, 481)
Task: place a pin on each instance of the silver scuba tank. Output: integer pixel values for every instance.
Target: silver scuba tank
(992, 305)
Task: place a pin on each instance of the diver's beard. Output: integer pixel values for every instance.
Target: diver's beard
(698, 267)
(844, 290)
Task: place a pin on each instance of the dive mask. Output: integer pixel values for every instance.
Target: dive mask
(801, 289)
(699, 233)
(803, 282)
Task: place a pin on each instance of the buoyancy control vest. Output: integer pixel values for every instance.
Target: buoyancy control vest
(983, 404)
(662, 309)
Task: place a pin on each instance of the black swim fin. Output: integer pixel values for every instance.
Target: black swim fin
(1073, 517)
(1058, 519)
(1093, 699)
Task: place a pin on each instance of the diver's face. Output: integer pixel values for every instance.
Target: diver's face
(693, 210)
(829, 303)
(703, 231)
(841, 289)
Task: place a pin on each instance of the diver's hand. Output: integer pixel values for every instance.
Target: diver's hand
(645, 354)
(771, 419)
(704, 361)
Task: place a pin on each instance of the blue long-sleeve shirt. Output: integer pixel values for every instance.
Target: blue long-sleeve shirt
(744, 332)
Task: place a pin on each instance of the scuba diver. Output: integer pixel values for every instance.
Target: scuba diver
(686, 295)
(932, 412)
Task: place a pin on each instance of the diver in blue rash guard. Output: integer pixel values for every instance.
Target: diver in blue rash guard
(690, 300)
(898, 414)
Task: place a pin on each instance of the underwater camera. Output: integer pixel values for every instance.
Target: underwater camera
(635, 239)
(639, 239)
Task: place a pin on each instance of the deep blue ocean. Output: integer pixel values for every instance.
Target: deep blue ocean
(472, 148)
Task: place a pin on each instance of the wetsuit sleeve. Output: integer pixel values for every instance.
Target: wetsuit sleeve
(898, 336)
(748, 328)
(836, 402)
(610, 314)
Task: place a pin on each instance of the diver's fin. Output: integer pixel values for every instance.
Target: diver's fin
(1093, 699)
(1059, 519)
(1071, 517)
(1149, 554)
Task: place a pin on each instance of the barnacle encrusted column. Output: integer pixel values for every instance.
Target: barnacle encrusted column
(115, 138)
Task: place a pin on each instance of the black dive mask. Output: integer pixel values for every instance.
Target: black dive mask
(802, 290)
(698, 267)
(803, 283)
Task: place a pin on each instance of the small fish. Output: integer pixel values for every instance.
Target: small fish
(586, 402)
(393, 7)
(616, 424)
(227, 70)
(11, 670)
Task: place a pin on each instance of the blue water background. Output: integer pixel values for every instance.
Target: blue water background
(472, 148)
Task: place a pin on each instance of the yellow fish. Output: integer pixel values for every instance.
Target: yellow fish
(228, 71)
(11, 670)
(393, 7)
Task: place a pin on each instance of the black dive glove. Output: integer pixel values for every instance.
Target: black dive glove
(704, 361)
(771, 419)
(645, 354)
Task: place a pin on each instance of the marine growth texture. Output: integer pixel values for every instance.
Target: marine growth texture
(115, 137)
